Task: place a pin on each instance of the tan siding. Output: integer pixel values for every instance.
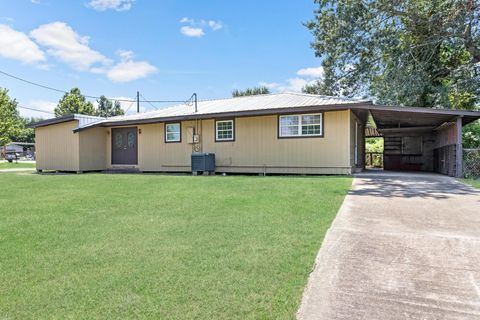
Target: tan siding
(257, 144)
(256, 147)
(57, 147)
(92, 149)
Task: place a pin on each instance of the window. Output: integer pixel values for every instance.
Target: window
(173, 132)
(302, 125)
(224, 130)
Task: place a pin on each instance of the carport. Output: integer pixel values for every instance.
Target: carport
(419, 139)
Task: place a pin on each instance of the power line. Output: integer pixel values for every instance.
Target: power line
(33, 109)
(85, 95)
(141, 95)
(128, 108)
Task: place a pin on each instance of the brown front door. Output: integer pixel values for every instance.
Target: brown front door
(124, 146)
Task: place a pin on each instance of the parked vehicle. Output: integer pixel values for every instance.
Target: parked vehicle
(10, 156)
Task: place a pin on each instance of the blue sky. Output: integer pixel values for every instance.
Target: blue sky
(165, 49)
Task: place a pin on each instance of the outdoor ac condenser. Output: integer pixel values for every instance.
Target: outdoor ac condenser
(203, 162)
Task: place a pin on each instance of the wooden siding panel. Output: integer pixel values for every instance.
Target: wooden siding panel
(57, 147)
(256, 147)
(92, 146)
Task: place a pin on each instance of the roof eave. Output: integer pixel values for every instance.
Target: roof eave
(48, 122)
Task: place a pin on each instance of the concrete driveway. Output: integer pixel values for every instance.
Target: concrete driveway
(403, 246)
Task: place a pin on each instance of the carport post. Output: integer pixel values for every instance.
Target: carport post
(459, 150)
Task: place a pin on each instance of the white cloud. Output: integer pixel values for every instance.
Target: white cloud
(290, 85)
(43, 105)
(192, 32)
(187, 20)
(307, 76)
(18, 46)
(295, 85)
(311, 72)
(197, 28)
(68, 46)
(118, 5)
(128, 69)
(215, 25)
(125, 54)
(7, 19)
(35, 1)
(270, 85)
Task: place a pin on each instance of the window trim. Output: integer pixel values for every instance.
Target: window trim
(322, 126)
(165, 132)
(233, 130)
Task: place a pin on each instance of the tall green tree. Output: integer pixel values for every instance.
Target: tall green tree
(107, 108)
(423, 53)
(26, 134)
(74, 102)
(11, 123)
(251, 91)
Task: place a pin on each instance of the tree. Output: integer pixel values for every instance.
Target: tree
(423, 53)
(250, 91)
(26, 134)
(108, 109)
(471, 135)
(10, 121)
(74, 102)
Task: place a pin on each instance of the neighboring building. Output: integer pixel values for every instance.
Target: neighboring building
(21, 148)
(276, 133)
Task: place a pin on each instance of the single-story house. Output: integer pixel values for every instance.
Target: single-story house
(22, 148)
(283, 133)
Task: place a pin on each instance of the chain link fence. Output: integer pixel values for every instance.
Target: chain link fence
(471, 163)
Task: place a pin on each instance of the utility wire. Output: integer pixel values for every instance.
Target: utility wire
(33, 109)
(141, 95)
(128, 108)
(85, 95)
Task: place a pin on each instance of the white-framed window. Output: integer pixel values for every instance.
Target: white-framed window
(300, 125)
(173, 132)
(224, 130)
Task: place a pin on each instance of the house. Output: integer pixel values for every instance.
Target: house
(22, 148)
(283, 133)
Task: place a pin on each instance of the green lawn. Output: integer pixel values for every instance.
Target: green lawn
(105, 246)
(473, 182)
(8, 165)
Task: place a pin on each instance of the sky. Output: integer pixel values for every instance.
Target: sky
(166, 49)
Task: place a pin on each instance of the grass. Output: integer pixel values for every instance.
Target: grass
(100, 246)
(473, 182)
(13, 165)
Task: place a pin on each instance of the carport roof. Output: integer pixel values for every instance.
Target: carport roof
(403, 117)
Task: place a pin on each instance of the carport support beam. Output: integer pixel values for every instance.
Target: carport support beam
(459, 150)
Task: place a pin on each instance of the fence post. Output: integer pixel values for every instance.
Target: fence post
(458, 149)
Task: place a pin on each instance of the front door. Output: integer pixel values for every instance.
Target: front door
(124, 146)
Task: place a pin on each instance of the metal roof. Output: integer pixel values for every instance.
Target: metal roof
(246, 105)
(277, 103)
(21, 144)
(83, 120)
